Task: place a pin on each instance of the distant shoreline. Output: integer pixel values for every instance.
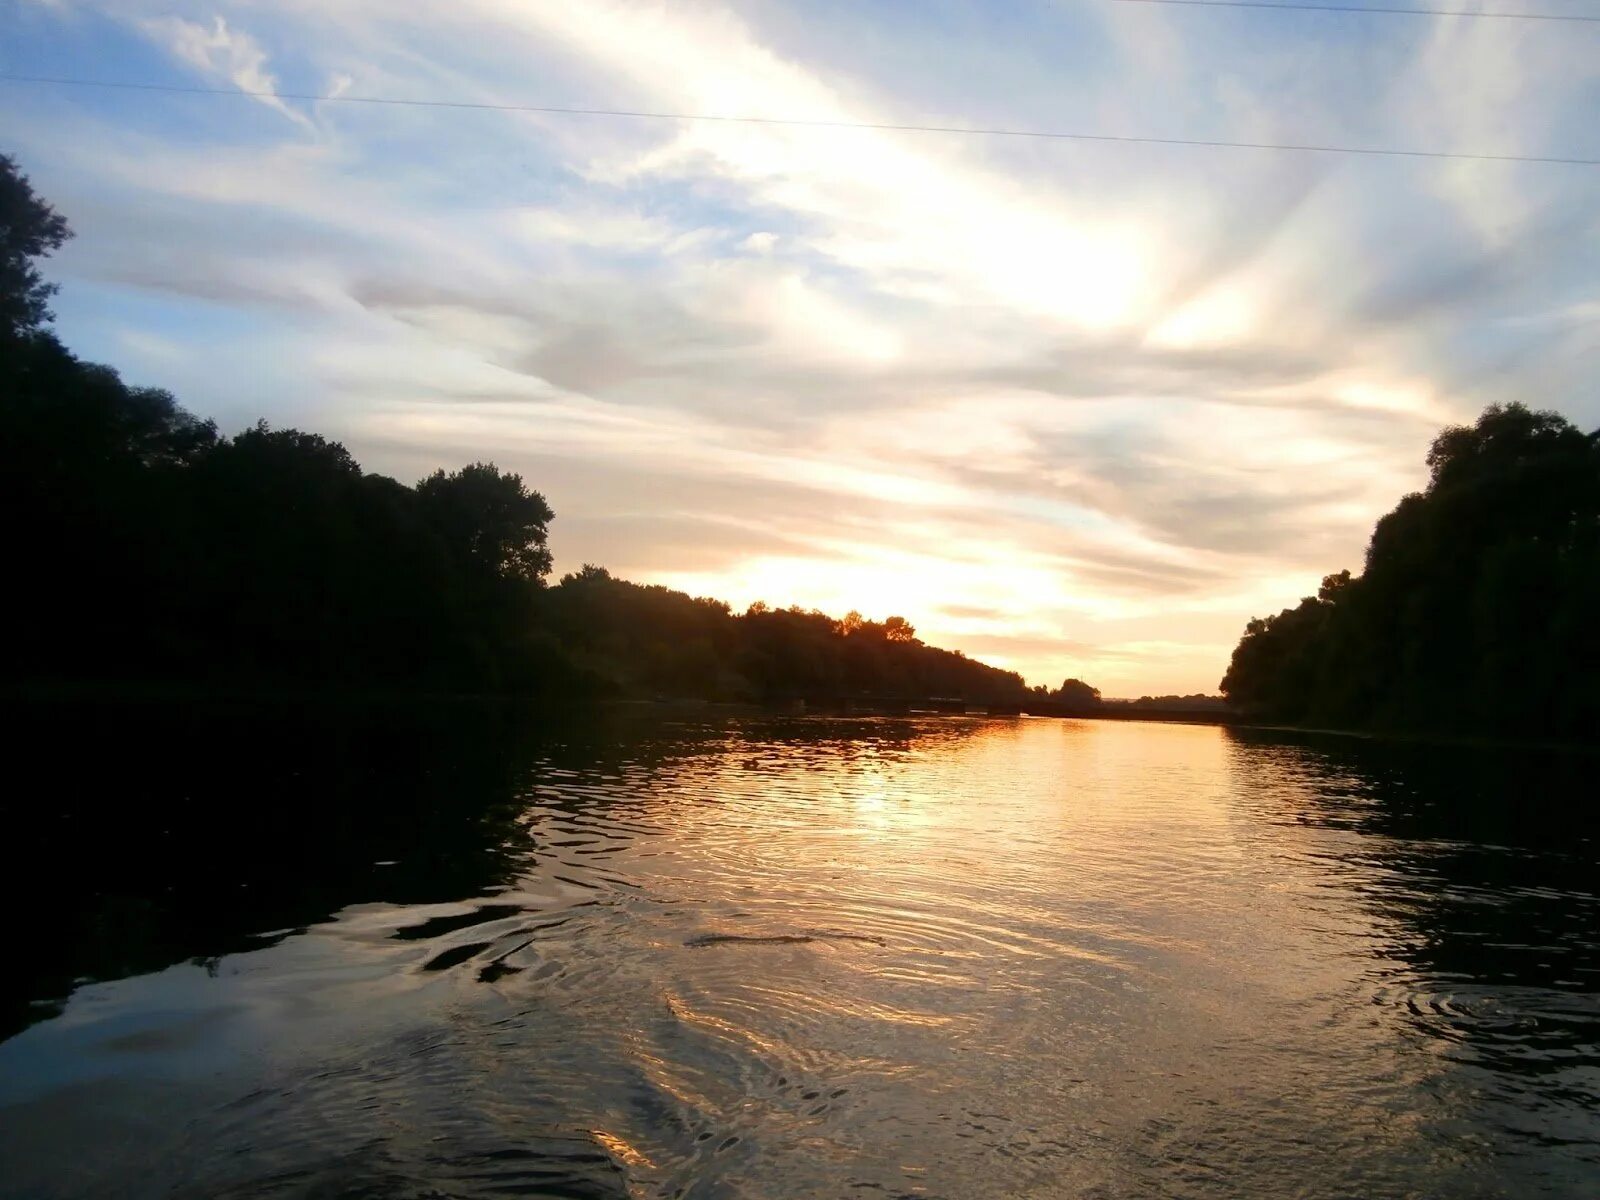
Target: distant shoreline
(51, 693)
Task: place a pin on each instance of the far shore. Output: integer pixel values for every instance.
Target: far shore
(224, 698)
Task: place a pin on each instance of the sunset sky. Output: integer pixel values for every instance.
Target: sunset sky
(1075, 408)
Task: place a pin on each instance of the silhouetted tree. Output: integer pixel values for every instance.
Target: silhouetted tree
(146, 546)
(1476, 602)
(1076, 695)
(898, 629)
(492, 520)
(29, 230)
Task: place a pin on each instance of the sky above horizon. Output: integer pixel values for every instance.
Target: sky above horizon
(1074, 408)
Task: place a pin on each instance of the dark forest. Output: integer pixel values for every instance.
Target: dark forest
(1476, 610)
(154, 549)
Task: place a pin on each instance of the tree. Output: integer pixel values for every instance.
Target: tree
(491, 520)
(898, 629)
(1475, 604)
(147, 547)
(64, 418)
(1076, 694)
(288, 461)
(29, 229)
(1505, 441)
(589, 574)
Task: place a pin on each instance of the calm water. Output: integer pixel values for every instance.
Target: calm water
(774, 958)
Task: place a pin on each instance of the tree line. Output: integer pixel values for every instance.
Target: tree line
(648, 639)
(1478, 608)
(145, 545)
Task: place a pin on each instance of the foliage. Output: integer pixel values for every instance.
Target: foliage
(155, 548)
(650, 640)
(1076, 695)
(492, 522)
(1476, 604)
(1195, 702)
(147, 546)
(29, 230)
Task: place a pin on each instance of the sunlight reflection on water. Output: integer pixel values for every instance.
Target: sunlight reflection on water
(938, 958)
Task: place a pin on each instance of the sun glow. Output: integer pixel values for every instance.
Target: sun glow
(878, 583)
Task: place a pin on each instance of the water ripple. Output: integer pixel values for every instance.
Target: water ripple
(957, 958)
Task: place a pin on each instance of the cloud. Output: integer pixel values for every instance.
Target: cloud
(1084, 408)
(148, 348)
(223, 52)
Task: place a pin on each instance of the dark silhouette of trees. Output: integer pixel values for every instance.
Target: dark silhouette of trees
(1075, 695)
(1196, 702)
(145, 546)
(1476, 608)
(491, 521)
(650, 640)
(898, 629)
(892, 629)
(29, 230)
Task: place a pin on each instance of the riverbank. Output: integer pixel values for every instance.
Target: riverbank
(1425, 738)
(224, 699)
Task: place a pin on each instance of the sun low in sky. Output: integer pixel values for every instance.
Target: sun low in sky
(1076, 407)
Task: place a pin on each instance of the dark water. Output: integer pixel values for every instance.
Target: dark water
(460, 956)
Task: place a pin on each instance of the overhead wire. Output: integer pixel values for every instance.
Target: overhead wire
(1380, 10)
(798, 122)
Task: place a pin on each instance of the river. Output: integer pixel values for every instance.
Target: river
(796, 957)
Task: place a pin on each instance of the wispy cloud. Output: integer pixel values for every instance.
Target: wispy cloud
(221, 52)
(1081, 408)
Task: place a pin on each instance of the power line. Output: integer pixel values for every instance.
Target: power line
(800, 122)
(1382, 10)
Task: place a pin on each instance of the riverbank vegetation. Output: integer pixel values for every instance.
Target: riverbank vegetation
(148, 546)
(1475, 611)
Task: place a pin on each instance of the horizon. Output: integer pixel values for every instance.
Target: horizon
(1074, 409)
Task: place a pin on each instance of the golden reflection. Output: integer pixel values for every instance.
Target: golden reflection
(661, 1075)
(621, 1150)
(797, 1001)
(719, 1027)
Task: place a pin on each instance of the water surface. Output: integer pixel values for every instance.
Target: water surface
(802, 957)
